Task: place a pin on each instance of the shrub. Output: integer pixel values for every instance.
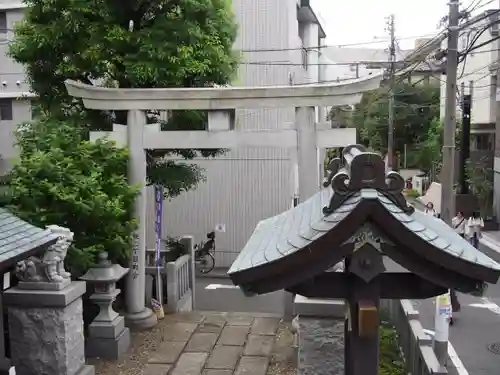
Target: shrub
(62, 179)
(412, 193)
(391, 362)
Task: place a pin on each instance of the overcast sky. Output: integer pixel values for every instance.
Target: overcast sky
(353, 21)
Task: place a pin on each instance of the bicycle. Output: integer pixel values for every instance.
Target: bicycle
(203, 257)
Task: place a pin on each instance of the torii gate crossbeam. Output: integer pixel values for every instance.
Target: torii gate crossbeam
(306, 137)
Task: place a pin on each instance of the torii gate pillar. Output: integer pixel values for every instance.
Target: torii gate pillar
(138, 315)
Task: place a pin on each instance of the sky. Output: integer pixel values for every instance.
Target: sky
(354, 21)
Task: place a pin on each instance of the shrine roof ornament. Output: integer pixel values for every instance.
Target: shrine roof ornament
(307, 240)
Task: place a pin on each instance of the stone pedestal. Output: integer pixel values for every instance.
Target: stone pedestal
(46, 331)
(108, 340)
(321, 346)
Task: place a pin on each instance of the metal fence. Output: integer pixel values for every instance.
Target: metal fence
(415, 344)
(181, 280)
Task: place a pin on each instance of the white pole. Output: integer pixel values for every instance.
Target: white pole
(448, 169)
(442, 327)
(138, 315)
(307, 154)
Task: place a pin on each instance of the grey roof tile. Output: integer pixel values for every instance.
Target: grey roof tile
(296, 228)
(18, 237)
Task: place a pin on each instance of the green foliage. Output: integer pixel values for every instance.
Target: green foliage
(412, 193)
(391, 362)
(341, 116)
(429, 151)
(415, 108)
(175, 248)
(184, 43)
(63, 179)
(480, 179)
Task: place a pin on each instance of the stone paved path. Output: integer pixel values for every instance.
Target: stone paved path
(223, 344)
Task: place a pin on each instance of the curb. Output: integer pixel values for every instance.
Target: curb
(490, 247)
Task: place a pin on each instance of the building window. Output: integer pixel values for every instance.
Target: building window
(482, 142)
(3, 22)
(304, 57)
(6, 109)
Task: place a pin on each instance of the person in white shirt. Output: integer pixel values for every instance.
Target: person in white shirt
(429, 209)
(475, 224)
(458, 223)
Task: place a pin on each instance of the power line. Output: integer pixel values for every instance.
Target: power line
(319, 47)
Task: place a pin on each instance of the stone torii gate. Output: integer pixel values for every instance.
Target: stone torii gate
(306, 138)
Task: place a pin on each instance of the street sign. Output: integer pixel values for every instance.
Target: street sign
(220, 228)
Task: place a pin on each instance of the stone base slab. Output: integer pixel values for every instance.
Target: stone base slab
(107, 330)
(328, 308)
(108, 348)
(43, 285)
(144, 320)
(44, 298)
(87, 370)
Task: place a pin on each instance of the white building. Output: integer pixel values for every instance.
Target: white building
(477, 71)
(273, 36)
(15, 106)
(247, 185)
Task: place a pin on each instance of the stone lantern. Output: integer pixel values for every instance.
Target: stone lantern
(108, 337)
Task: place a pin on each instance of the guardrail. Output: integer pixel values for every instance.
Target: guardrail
(415, 344)
(181, 280)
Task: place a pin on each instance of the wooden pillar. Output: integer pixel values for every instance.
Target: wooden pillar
(362, 336)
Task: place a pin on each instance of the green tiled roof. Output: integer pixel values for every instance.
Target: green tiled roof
(284, 234)
(18, 239)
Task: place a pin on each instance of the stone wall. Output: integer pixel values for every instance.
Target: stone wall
(321, 346)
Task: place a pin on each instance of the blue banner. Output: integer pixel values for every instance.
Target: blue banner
(158, 222)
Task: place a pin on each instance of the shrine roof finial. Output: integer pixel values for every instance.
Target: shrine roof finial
(363, 170)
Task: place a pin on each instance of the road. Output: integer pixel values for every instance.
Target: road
(476, 327)
(222, 295)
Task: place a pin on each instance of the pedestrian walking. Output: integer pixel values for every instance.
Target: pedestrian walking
(429, 209)
(473, 229)
(458, 223)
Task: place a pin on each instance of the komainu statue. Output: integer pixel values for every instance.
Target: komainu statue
(50, 267)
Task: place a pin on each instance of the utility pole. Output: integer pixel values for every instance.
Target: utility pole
(465, 138)
(443, 302)
(496, 202)
(450, 122)
(392, 61)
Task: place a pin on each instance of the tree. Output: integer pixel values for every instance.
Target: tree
(480, 179)
(341, 116)
(415, 108)
(428, 154)
(128, 44)
(63, 179)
